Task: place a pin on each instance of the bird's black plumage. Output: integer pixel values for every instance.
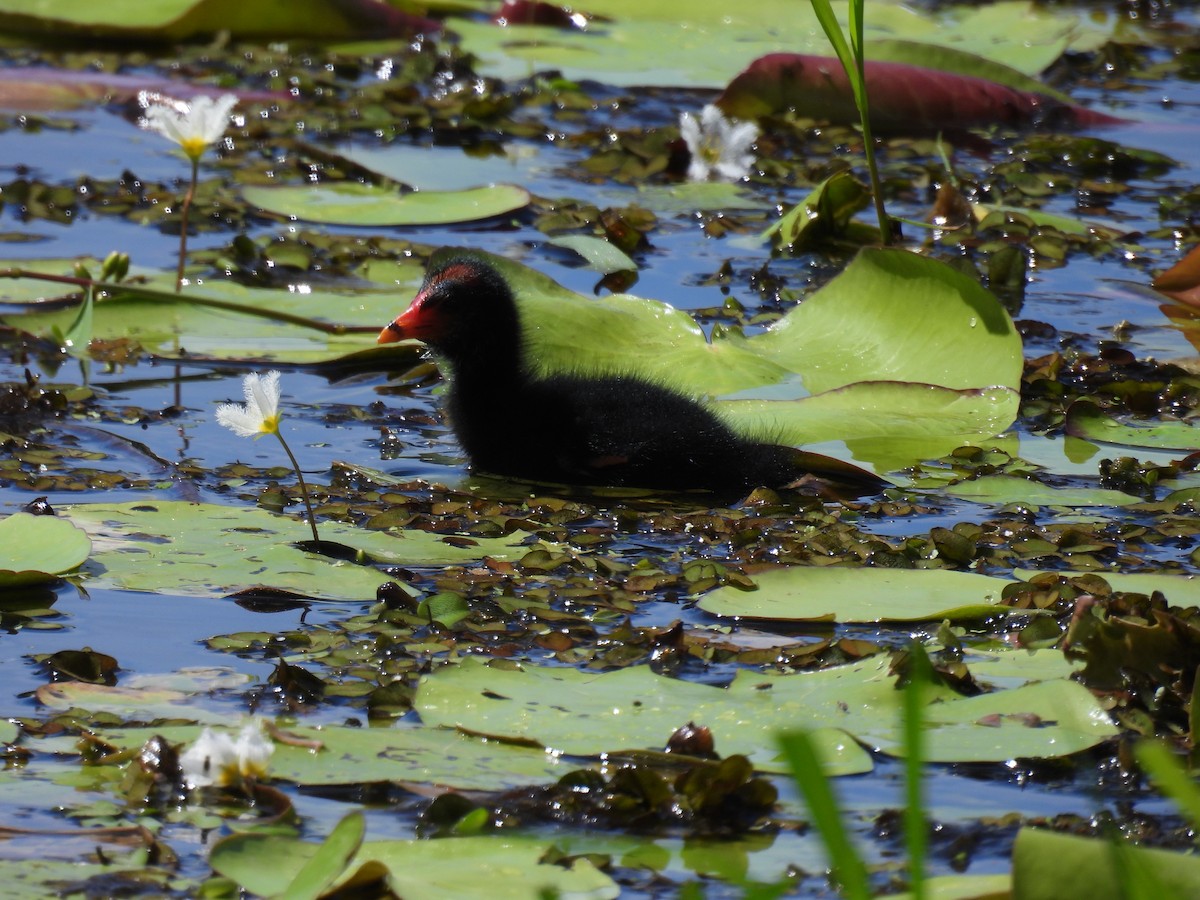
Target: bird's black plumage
(575, 428)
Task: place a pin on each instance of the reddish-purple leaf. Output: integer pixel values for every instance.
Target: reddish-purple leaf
(903, 98)
(34, 90)
(538, 12)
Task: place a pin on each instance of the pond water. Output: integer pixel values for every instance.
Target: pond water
(152, 423)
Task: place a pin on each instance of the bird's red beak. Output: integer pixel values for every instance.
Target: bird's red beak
(419, 322)
(405, 325)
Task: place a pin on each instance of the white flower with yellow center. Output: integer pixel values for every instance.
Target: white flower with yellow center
(260, 413)
(717, 145)
(195, 126)
(217, 759)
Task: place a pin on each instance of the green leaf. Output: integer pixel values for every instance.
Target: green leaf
(404, 752)
(204, 550)
(705, 43)
(1086, 420)
(333, 856)
(178, 20)
(1049, 866)
(36, 549)
(352, 203)
(599, 253)
(1037, 720)
(893, 315)
(445, 608)
(844, 594)
(804, 763)
(495, 866)
(1000, 490)
(1170, 777)
(826, 214)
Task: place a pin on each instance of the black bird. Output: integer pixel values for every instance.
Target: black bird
(576, 428)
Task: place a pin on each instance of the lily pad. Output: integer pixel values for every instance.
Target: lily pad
(599, 253)
(580, 712)
(1000, 490)
(1048, 865)
(1086, 420)
(843, 594)
(205, 550)
(404, 753)
(178, 20)
(1180, 590)
(36, 549)
(351, 203)
(506, 867)
(705, 44)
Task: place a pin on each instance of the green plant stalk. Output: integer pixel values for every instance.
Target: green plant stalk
(312, 519)
(854, 64)
(1170, 778)
(912, 710)
(211, 302)
(183, 223)
(848, 870)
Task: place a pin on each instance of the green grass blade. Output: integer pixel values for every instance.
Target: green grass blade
(1170, 777)
(914, 756)
(849, 872)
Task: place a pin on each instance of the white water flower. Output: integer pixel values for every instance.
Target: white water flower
(717, 145)
(217, 759)
(194, 126)
(260, 413)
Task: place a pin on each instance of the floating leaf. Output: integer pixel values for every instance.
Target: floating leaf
(36, 549)
(403, 753)
(41, 88)
(202, 549)
(601, 255)
(1049, 866)
(637, 709)
(1086, 420)
(904, 97)
(844, 594)
(351, 203)
(179, 20)
(704, 44)
(1000, 490)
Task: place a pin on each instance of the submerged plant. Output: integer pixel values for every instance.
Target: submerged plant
(717, 145)
(260, 415)
(195, 127)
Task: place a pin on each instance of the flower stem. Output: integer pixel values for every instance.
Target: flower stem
(183, 222)
(312, 520)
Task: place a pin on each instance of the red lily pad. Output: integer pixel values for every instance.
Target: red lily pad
(904, 97)
(39, 89)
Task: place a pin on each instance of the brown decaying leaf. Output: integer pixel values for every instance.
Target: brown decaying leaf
(903, 97)
(1181, 282)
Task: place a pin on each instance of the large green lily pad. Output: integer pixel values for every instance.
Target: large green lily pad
(1086, 420)
(36, 549)
(205, 550)
(587, 713)
(843, 594)
(370, 205)
(404, 753)
(506, 867)
(176, 20)
(1048, 865)
(704, 44)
